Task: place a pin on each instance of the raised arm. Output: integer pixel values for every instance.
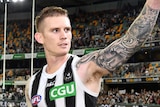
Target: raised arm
(121, 49)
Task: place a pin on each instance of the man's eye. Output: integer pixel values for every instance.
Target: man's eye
(55, 30)
(67, 29)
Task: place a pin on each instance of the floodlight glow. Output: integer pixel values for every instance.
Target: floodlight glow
(7, 1)
(15, 0)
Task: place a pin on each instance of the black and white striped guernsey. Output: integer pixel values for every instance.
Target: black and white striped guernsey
(61, 89)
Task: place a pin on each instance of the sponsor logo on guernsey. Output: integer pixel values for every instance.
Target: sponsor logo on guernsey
(36, 99)
(65, 90)
(50, 84)
(68, 76)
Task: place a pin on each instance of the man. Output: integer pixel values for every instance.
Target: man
(69, 81)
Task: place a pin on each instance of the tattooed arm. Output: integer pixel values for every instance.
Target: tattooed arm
(121, 49)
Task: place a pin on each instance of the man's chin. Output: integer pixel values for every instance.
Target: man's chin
(63, 53)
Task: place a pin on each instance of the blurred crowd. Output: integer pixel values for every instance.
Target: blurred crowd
(116, 96)
(134, 70)
(12, 93)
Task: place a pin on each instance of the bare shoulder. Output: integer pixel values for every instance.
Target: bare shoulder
(90, 64)
(90, 71)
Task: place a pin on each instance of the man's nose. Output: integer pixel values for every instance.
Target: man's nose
(63, 35)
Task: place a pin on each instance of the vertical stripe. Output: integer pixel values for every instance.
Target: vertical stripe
(35, 85)
(80, 97)
(60, 102)
(68, 77)
(50, 84)
(90, 101)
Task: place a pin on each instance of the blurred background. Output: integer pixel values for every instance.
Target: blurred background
(95, 24)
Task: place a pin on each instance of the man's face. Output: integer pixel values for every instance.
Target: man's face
(56, 35)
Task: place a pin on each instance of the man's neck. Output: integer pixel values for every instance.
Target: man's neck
(55, 63)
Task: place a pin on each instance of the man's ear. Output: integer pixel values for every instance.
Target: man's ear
(39, 37)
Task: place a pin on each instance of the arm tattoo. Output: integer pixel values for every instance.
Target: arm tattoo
(121, 49)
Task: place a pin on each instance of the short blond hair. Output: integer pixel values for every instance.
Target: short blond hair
(48, 12)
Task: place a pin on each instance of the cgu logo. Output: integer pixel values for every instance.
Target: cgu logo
(65, 90)
(36, 99)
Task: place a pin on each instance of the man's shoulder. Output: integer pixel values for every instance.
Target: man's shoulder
(76, 58)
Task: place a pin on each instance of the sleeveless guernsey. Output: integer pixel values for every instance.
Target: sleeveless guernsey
(61, 89)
